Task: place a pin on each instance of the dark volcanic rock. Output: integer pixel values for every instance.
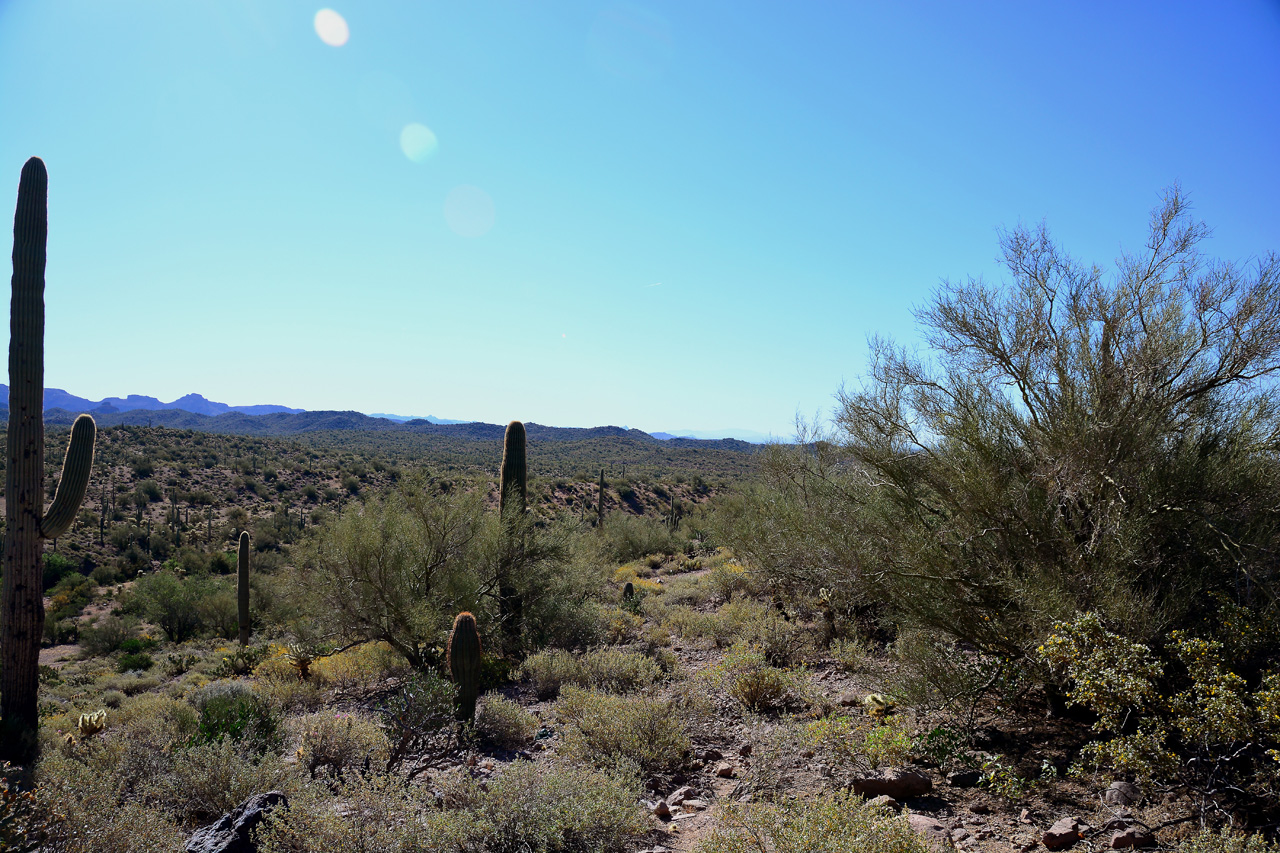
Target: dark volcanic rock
(231, 833)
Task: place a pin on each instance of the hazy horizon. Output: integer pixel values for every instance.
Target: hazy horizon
(594, 213)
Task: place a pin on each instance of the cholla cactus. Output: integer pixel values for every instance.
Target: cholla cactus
(90, 724)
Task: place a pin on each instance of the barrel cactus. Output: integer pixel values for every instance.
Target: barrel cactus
(464, 664)
(242, 587)
(27, 522)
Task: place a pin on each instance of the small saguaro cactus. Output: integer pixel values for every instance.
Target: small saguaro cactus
(242, 587)
(464, 664)
(26, 521)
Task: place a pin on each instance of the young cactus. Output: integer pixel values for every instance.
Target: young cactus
(26, 521)
(242, 587)
(464, 664)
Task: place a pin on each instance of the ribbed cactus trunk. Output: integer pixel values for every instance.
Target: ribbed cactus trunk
(600, 501)
(242, 587)
(21, 601)
(513, 498)
(464, 664)
(513, 486)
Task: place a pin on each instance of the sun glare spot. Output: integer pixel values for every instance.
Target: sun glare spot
(332, 28)
(418, 142)
(469, 211)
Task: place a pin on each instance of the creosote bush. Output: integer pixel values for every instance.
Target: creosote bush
(747, 676)
(622, 732)
(608, 669)
(834, 823)
(503, 723)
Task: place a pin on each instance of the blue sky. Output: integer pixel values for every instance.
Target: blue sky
(665, 215)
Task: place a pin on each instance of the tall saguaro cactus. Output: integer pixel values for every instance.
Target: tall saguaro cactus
(513, 487)
(26, 521)
(242, 587)
(513, 497)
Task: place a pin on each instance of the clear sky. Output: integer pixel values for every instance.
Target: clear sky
(659, 214)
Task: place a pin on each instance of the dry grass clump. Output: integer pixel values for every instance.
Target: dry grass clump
(337, 741)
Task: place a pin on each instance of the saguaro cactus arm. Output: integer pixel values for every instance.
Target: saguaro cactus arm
(75, 479)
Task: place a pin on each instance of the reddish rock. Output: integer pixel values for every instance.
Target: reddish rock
(1134, 836)
(899, 784)
(1062, 834)
(935, 835)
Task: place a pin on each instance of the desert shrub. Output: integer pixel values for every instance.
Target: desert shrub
(560, 809)
(728, 578)
(140, 661)
(693, 624)
(745, 675)
(854, 744)
(528, 809)
(608, 669)
(56, 567)
(68, 597)
(379, 815)
(849, 653)
(208, 779)
(169, 601)
(612, 731)
(832, 823)
(629, 537)
(92, 816)
(363, 667)
(1200, 728)
(1069, 440)
(338, 741)
(616, 671)
(230, 710)
(418, 719)
(503, 723)
(548, 670)
(1226, 841)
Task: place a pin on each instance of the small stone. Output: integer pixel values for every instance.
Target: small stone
(1064, 832)
(935, 835)
(850, 698)
(681, 794)
(744, 750)
(694, 805)
(980, 808)
(1025, 817)
(660, 809)
(710, 754)
(725, 770)
(1134, 836)
(1122, 794)
(884, 801)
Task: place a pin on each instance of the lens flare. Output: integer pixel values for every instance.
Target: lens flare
(418, 142)
(332, 28)
(469, 211)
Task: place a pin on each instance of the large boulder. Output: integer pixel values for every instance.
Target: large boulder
(899, 784)
(232, 832)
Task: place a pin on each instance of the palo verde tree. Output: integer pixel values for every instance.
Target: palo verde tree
(1070, 440)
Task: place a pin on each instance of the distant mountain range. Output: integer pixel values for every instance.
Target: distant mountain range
(56, 398)
(195, 412)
